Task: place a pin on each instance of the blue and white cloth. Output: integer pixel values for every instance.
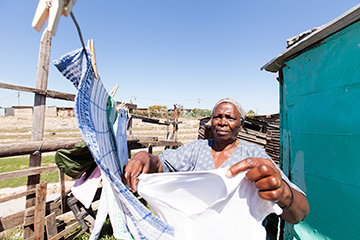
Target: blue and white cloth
(95, 112)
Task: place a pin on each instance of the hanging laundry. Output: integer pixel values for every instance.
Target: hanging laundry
(95, 114)
(207, 204)
(108, 204)
(74, 65)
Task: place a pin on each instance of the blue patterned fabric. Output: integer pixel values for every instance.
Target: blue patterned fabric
(95, 113)
(73, 65)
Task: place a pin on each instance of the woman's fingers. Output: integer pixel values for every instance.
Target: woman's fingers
(264, 174)
(269, 183)
(252, 164)
(131, 171)
(271, 195)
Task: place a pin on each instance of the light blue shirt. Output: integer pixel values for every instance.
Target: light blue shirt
(197, 156)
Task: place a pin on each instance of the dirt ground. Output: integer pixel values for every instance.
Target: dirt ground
(18, 129)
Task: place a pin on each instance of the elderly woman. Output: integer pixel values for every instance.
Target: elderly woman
(226, 151)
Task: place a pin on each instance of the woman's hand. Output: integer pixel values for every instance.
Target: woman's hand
(141, 162)
(264, 174)
(268, 180)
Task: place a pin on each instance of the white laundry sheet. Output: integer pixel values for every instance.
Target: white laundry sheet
(207, 204)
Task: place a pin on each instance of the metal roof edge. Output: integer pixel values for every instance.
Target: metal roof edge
(344, 20)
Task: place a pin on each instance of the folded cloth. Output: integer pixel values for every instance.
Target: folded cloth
(207, 204)
(95, 124)
(85, 190)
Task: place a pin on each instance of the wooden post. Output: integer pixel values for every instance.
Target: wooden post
(150, 149)
(62, 187)
(40, 208)
(175, 123)
(167, 126)
(38, 117)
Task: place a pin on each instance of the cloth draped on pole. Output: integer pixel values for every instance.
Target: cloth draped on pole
(96, 113)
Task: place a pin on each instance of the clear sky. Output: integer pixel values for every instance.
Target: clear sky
(162, 52)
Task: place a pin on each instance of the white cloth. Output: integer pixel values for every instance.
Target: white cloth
(207, 204)
(85, 190)
(108, 205)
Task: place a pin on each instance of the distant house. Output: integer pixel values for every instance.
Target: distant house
(64, 111)
(6, 112)
(319, 80)
(23, 111)
(51, 111)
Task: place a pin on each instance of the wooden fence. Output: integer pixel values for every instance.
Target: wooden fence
(38, 213)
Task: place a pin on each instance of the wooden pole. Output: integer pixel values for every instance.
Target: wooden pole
(38, 117)
(62, 193)
(40, 207)
(16, 149)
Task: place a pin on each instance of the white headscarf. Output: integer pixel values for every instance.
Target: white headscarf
(232, 101)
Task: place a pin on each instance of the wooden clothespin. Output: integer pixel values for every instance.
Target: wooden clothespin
(114, 90)
(52, 10)
(91, 48)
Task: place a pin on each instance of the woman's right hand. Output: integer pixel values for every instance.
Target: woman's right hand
(141, 162)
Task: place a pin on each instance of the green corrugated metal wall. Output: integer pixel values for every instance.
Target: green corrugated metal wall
(320, 135)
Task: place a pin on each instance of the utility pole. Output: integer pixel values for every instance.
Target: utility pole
(199, 103)
(18, 95)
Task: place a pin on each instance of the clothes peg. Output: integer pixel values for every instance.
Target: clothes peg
(68, 6)
(114, 90)
(51, 10)
(91, 48)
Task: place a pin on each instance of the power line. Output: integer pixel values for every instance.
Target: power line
(12, 95)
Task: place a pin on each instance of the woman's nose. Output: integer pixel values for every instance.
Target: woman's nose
(223, 121)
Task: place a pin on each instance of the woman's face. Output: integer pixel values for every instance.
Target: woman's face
(226, 123)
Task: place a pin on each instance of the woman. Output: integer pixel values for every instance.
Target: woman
(225, 150)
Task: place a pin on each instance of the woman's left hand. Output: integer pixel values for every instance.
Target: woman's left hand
(268, 180)
(264, 174)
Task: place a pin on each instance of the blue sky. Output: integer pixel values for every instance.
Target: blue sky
(163, 52)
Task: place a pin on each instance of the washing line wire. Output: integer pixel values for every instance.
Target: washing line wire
(78, 29)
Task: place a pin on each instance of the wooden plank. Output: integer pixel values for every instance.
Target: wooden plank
(17, 195)
(75, 234)
(50, 93)
(27, 172)
(16, 149)
(62, 189)
(46, 93)
(66, 231)
(155, 120)
(141, 138)
(50, 222)
(11, 221)
(38, 115)
(40, 207)
(54, 207)
(17, 219)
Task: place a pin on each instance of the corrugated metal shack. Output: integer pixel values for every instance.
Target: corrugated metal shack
(260, 130)
(319, 80)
